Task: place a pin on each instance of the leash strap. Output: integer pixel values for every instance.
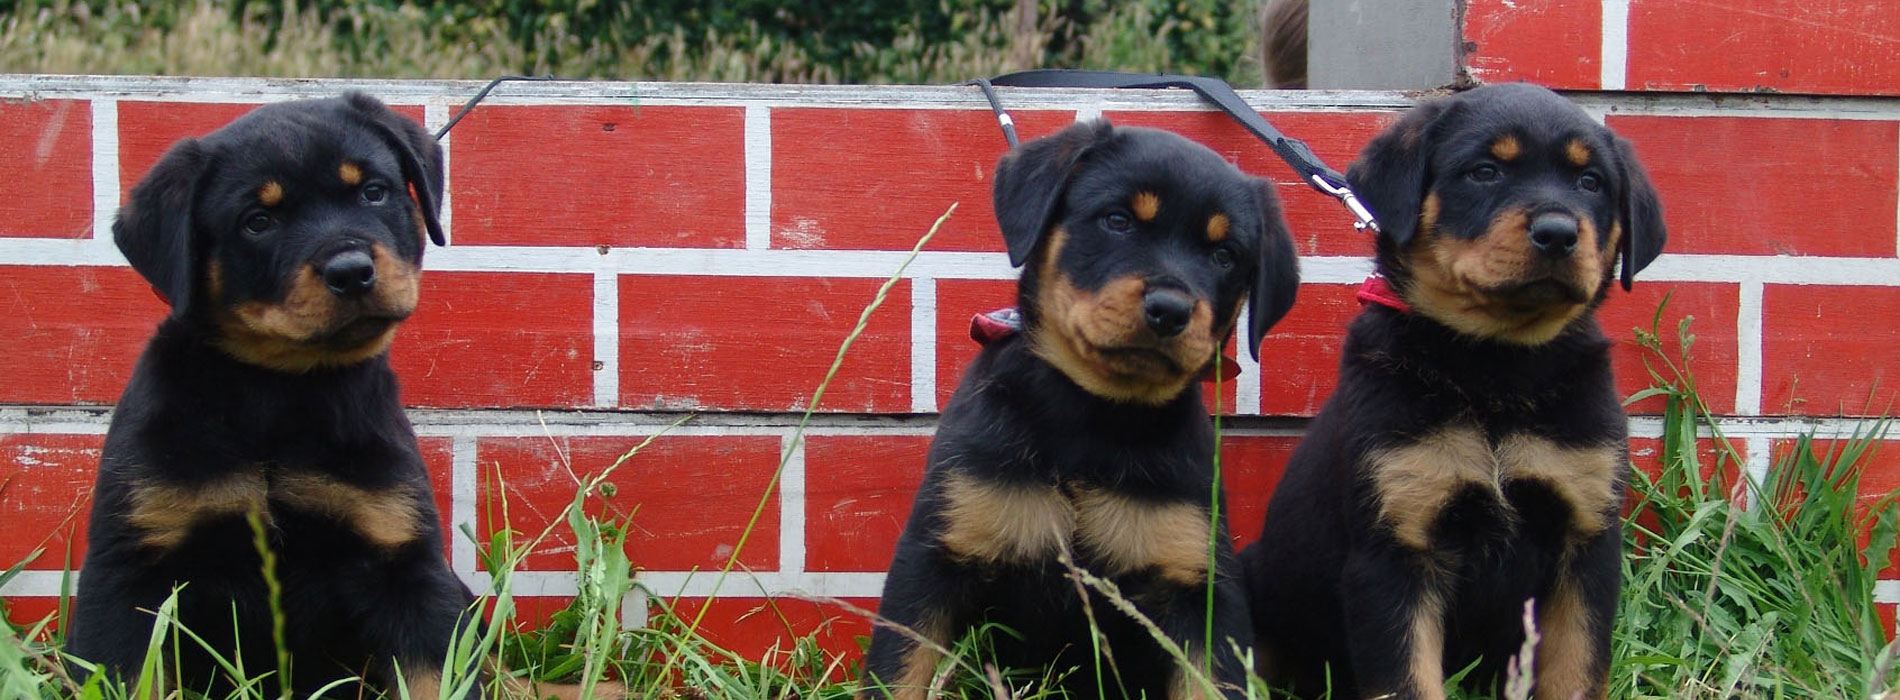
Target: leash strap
(1295, 152)
(477, 99)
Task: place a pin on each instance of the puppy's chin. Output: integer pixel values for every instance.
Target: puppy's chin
(346, 344)
(1144, 375)
(1527, 314)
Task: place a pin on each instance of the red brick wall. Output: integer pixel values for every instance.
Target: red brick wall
(1818, 47)
(623, 253)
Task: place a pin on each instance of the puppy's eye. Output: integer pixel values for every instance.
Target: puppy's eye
(375, 193)
(1117, 222)
(1590, 182)
(259, 223)
(1224, 258)
(1485, 173)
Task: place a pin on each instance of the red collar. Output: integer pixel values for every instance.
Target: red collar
(1376, 291)
(1002, 323)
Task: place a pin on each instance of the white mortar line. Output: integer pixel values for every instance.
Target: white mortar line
(791, 507)
(1087, 112)
(758, 176)
(434, 115)
(607, 339)
(1758, 454)
(1615, 47)
(1748, 350)
(464, 475)
(105, 175)
(1247, 390)
(923, 345)
(1887, 592)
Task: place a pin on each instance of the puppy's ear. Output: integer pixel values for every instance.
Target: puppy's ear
(1031, 179)
(416, 150)
(1641, 215)
(1392, 172)
(154, 227)
(1277, 278)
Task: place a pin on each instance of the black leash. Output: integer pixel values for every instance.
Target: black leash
(463, 112)
(1295, 152)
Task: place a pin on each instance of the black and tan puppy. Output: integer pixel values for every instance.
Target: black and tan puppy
(288, 244)
(1474, 454)
(1085, 435)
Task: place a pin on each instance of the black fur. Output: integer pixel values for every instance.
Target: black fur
(195, 417)
(1333, 587)
(1018, 421)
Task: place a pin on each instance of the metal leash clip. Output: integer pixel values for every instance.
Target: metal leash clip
(1345, 196)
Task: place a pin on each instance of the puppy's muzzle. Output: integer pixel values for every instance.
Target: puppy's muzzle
(350, 274)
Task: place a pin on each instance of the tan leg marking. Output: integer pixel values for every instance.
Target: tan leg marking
(1128, 534)
(165, 513)
(1578, 152)
(1217, 227)
(1584, 477)
(387, 518)
(1184, 687)
(1146, 205)
(1000, 523)
(350, 173)
(1414, 481)
(1506, 148)
(423, 684)
(1428, 648)
(1566, 655)
(270, 194)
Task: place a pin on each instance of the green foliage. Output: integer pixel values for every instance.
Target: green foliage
(845, 41)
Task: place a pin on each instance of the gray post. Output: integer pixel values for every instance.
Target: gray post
(1382, 44)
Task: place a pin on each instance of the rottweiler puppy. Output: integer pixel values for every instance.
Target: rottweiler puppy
(1084, 436)
(288, 245)
(1475, 452)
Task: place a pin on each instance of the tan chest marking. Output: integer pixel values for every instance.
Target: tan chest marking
(387, 518)
(165, 513)
(1567, 654)
(1000, 523)
(1126, 534)
(1584, 477)
(1413, 482)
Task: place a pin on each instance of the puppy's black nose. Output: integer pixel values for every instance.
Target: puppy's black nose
(1554, 235)
(350, 273)
(1167, 310)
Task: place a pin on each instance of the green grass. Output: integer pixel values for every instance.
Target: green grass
(1719, 600)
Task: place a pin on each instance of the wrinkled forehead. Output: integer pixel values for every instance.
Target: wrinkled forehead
(299, 147)
(1529, 125)
(1169, 184)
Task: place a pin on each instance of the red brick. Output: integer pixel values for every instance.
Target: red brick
(1299, 358)
(1735, 185)
(499, 340)
(858, 493)
(438, 456)
(618, 175)
(27, 611)
(1827, 351)
(72, 334)
(1712, 356)
(1886, 613)
(1320, 225)
(1879, 478)
(689, 497)
(761, 343)
(1833, 46)
(901, 169)
(1250, 468)
(1555, 44)
(752, 627)
(148, 129)
(46, 152)
(46, 488)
